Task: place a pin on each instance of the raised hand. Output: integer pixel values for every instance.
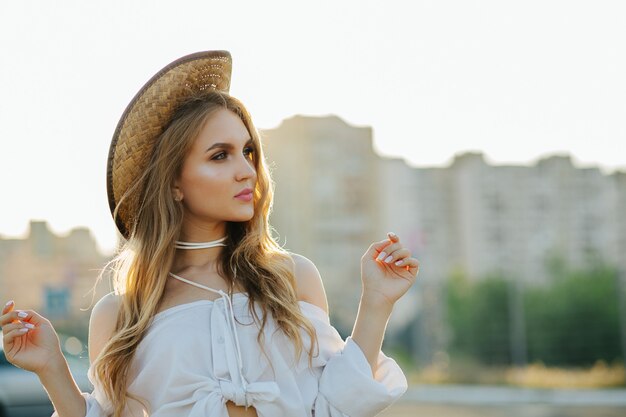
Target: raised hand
(30, 342)
(388, 270)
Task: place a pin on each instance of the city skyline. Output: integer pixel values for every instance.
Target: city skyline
(106, 235)
(517, 81)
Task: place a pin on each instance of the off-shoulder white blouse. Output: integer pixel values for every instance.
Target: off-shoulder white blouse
(197, 356)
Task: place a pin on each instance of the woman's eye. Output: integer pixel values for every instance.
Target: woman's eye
(221, 155)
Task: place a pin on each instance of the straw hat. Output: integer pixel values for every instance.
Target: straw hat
(145, 117)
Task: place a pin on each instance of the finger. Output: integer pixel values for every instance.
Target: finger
(393, 237)
(396, 255)
(388, 250)
(10, 317)
(20, 315)
(33, 317)
(375, 248)
(8, 306)
(10, 327)
(10, 336)
(411, 264)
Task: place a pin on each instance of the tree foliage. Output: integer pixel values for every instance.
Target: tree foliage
(478, 315)
(572, 320)
(575, 319)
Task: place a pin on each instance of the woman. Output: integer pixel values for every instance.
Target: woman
(210, 317)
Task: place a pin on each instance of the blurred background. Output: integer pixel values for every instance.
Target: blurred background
(488, 135)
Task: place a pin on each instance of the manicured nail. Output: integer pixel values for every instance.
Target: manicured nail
(389, 258)
(381, 256)
(29, 325)
(392, 234)
(23, 330)
(9, 303)
(399, 262)
(22, 314)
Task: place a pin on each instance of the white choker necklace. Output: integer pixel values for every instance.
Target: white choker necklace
(200, 245)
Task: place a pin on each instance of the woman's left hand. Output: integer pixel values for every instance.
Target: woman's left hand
(383, 280)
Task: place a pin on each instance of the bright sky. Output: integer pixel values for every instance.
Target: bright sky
(516, 80)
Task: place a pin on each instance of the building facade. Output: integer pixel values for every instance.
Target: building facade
(326, 202)
(335, 195)
(54, 275)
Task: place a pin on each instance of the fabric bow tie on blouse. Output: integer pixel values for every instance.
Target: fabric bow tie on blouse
(229, 368)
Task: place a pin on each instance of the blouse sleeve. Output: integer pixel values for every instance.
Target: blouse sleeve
(93, 406)
(346, 385)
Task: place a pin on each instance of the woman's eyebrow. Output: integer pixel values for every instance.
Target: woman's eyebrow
(226, 145)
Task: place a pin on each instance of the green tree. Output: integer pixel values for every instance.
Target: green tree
(574, 319)
(478, 317)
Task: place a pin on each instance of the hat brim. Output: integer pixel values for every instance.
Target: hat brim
(145, 118)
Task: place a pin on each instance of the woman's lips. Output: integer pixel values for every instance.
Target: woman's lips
(245, 197)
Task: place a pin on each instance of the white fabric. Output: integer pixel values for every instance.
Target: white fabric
(188, 365)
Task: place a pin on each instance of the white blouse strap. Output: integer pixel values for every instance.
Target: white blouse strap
(195, 284)
(233, 328)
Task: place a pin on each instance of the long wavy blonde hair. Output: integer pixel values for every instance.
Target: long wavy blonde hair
(251, 257)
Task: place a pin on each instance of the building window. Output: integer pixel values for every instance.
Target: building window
(57, 301)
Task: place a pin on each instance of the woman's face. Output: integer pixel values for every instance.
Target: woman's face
(218, 167)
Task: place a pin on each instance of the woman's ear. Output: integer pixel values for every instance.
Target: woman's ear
(176, 192)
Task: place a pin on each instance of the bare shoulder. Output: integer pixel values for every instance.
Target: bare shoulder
(102, 323)
(310, 287)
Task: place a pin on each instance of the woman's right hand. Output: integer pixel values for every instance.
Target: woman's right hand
(36, 349)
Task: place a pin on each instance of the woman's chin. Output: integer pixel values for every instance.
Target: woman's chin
(243, 217)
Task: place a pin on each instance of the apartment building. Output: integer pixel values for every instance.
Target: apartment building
(334, 196)
(52, 274)
(327, 200)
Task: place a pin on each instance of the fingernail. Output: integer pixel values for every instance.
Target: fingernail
(29, 325)
(399, 262)
(392, 234)
(23, 330)
(8, 303)
(22, 314)
(381, 256)
(389, 258)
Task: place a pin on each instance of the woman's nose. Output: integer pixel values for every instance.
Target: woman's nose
(246, 169)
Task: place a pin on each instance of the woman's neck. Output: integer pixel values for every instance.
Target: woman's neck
(199, 249)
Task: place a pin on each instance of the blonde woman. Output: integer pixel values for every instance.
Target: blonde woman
(210, 317)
